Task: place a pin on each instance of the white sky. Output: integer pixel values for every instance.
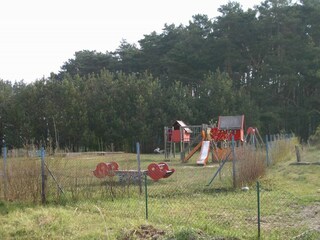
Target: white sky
(38, 36)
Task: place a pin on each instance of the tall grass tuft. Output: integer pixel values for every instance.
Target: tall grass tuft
(251, 161)
(23, 179)
(282, 149)
(250, 165)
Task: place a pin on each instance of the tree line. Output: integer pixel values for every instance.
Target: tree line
(262, 62)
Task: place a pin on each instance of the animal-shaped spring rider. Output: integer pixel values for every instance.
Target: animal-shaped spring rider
(155, 171)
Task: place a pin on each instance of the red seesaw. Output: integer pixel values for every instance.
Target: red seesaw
(155, 171)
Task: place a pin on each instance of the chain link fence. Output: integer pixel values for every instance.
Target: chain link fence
(206, 199)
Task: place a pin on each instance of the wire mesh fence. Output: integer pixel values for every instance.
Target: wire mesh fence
(204, 198)
(285, 215)
(189, 201)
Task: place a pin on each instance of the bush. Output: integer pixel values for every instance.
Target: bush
(315, 138)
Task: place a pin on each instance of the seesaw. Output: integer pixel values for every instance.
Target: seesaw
(155, 171)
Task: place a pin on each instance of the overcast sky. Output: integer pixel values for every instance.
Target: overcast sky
(38, 36)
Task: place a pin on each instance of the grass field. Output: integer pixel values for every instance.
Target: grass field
(179, 207)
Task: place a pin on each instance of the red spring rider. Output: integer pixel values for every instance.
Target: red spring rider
(157, 171)
(106, 169)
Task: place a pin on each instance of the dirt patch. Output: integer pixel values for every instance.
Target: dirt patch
(144, 232)
(151, 233)
(303, 216)
(311, 216)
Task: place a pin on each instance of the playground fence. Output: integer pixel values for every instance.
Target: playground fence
(186, 198)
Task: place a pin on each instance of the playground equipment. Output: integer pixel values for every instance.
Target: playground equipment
(253, 137)
(193, 151)
(179, 133)
(204, 153)
(218, 139)
(228, 127)
(183, 137)
(155, 171)
(230, 134)
(215, 139)
(205, 145)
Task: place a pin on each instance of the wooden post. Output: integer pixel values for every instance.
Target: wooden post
(112, 147)
(267, 152)
(298, 153)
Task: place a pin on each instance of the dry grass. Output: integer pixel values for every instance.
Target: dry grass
(253, 161)
(23, 180)
(282, 150)
(250, 165)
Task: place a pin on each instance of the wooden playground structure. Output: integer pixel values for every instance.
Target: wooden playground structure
(216, 139)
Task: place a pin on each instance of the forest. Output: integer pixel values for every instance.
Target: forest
(262, 62)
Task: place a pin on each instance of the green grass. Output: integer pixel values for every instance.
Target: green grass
(179, 207)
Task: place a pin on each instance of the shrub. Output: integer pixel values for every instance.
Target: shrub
(315, 138)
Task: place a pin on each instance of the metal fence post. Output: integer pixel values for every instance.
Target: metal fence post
(139, 165)
(258, 208)
(146, 194)
(43, 177)
(234, 164)
(267, 152)
(5, 185)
